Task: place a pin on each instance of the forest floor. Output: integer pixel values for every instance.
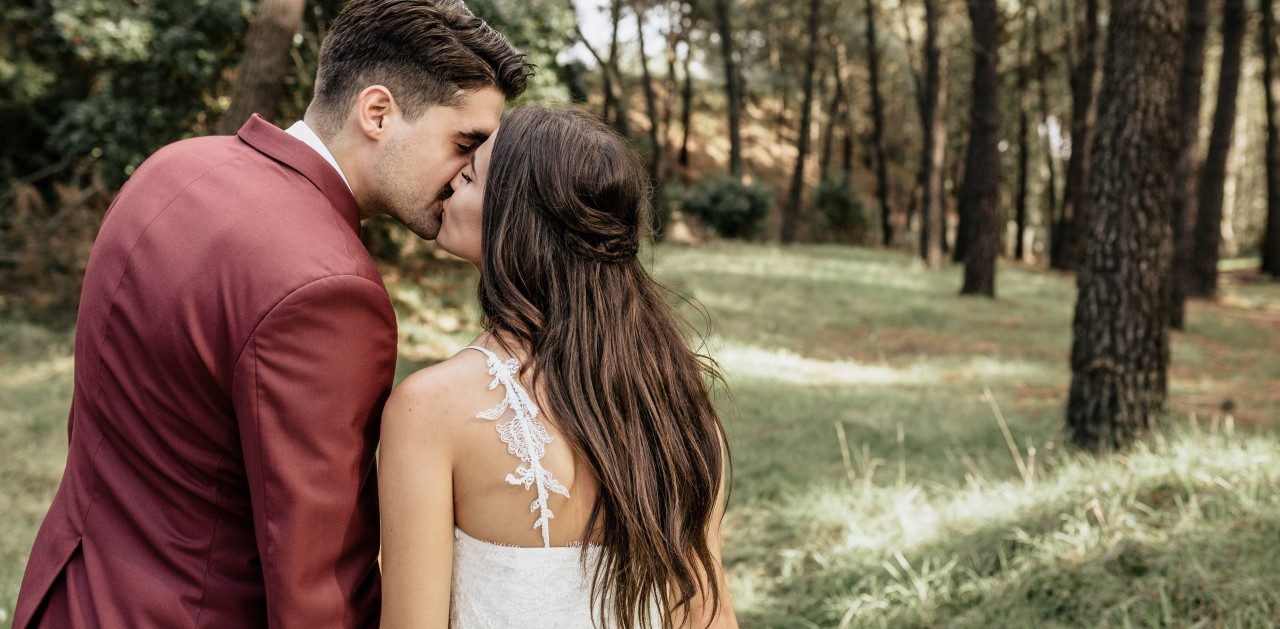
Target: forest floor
(874, 482)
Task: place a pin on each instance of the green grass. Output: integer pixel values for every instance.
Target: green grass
(35, 394)
(873, 484)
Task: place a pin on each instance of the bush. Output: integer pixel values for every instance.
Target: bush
(731, 208)
(841, 215)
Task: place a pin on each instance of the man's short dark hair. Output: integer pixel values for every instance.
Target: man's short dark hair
(424, 51)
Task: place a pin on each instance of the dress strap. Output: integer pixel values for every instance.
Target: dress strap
(525, 436)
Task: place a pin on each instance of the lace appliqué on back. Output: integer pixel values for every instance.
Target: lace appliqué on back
(525, 436)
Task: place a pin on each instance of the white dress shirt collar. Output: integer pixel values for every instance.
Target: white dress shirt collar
(301, 131)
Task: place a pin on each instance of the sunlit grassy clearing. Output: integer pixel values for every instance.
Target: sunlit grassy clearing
(930, 522)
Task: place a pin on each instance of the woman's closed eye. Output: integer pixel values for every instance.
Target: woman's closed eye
(465, 177)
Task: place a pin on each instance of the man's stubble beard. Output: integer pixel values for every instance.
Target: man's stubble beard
(389, 197)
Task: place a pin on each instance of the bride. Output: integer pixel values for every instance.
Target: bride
(567, 469)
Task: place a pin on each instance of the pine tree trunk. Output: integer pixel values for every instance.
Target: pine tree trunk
(982, 169)
(260, 80)
(964, 225)
(1271, 84)
(610, 82)
(877, 129)
(834, 107)
(657, 157)
(1120, 346)
(733, 87)
(1050, 162)
(1024, 139)
(686, 110)
(617, 94)
(1184, 207)
(1064, 250)
(791, 214)
(1202, 275)
(933, 226)
(849, 139)
(671, 85)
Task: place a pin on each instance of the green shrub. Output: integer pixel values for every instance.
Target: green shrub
(725, 204)
(841, 215)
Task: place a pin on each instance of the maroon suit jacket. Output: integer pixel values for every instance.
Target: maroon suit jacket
(234, 347)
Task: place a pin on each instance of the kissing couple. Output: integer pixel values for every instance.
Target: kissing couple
(237, 457)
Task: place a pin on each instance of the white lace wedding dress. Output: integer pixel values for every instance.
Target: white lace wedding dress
(497, 586)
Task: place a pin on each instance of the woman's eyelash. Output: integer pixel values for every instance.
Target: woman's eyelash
(465, 177)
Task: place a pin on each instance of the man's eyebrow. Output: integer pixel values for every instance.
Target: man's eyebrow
(475, 134)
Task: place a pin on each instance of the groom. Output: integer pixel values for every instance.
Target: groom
(235, 344)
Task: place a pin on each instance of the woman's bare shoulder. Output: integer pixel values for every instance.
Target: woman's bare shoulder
(438, 396)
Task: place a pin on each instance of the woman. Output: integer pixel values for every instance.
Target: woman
(604, 410)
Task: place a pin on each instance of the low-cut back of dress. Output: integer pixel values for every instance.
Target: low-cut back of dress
(498, 586)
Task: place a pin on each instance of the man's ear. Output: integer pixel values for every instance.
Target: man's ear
(375, 106)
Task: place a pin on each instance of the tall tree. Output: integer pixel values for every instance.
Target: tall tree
(916, 199)
(1063, 251)
(982, 164)
(686, 109)
(733, 86)
(1120, 345)
(1184, 208)
(835, 108)
(1050, 193)
(1271, 84)
(657, 148)
(614, 98)
(791, 214)
(610, 78)
(1202, 275)
(844, 75)
(877, 125)
(1024, 136)
(935, 142)
(260, 81)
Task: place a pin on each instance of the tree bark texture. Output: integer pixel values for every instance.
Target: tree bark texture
(982, 168)
(1202, 273)
(1184, 207)
(791, 214)
(935, 143)
(1120, 345)
(260, 80)
(877, 129)
(733, 86)
(1271, 84)
(1064, 250)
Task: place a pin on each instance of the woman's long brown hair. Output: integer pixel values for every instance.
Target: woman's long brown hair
(565, 209)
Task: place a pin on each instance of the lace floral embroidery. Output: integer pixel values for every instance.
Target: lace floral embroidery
(525, 437)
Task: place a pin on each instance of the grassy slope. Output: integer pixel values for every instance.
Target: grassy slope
(929, 522)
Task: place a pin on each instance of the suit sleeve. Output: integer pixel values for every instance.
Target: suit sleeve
(308, 394)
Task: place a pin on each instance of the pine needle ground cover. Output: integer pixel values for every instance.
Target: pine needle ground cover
(898, 449)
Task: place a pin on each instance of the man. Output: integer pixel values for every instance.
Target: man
(235, 344)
